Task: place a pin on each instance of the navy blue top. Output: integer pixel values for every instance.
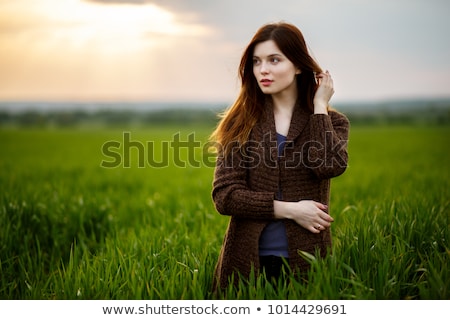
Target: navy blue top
(273, 240)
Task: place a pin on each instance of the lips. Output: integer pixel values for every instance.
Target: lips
(266, 82)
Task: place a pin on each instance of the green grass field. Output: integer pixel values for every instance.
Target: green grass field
(72, 229)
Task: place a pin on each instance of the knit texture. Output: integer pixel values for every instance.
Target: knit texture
(246, 182)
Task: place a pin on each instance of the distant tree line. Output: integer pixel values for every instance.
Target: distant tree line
(429, 116)
(106, 117)
(67, 118)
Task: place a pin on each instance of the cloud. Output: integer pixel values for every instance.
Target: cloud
(374, 49)
(121, 1)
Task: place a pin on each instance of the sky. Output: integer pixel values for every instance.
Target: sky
(189, 50)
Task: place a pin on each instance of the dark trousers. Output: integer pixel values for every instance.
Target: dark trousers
(272, 266)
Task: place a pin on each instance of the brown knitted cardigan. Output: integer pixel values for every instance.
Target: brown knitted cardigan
(245, 185)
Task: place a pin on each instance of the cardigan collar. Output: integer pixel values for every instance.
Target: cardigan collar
(299, 120)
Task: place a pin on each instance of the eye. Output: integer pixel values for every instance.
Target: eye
(275, 60)
(256, 61)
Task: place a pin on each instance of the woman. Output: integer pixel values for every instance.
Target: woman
(280, 143)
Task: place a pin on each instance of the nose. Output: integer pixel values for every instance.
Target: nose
(263, 68)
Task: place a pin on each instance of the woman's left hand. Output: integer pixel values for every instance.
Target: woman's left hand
(324, 92)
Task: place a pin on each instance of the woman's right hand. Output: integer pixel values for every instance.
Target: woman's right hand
(324, 92)
(310, 214)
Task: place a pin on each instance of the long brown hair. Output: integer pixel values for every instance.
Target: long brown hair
(238, 120)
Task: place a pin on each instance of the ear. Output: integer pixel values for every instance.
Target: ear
(298, 71)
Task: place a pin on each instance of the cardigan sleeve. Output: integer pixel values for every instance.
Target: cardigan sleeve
(231, 194)
(328, 156)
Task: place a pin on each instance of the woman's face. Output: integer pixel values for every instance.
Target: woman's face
(274, 72)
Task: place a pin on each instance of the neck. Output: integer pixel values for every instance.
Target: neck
(283, 108)
(284, 103)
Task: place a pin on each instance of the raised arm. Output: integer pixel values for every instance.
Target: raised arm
(328, 155)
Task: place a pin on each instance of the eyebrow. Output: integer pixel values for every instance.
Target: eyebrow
(271, 55)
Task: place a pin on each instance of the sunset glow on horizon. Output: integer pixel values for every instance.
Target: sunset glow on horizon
(189, 50)
(72, 49)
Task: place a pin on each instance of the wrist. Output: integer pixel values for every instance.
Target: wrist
(282, 209)
(320, 108)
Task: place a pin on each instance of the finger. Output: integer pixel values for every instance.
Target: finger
(321, 76)
(320, 227)
(324, 224)
(331, 82)
(325, 81)
(322, 212)
(313, 229)
(325, 217)
(325, 74)
(321, 206)
(321, 222)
